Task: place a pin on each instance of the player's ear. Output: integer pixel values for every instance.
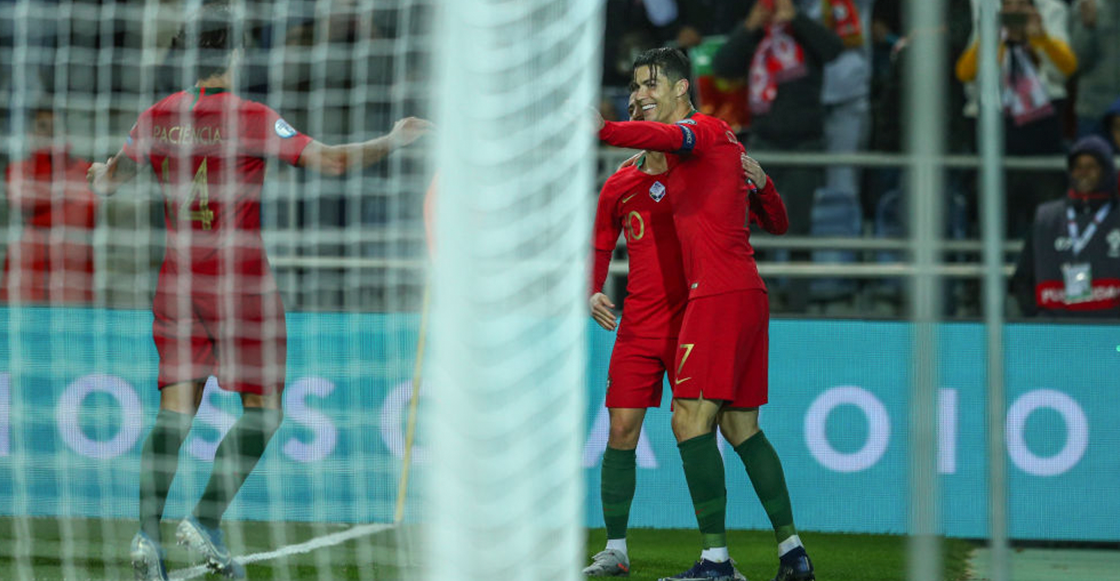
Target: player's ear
(680, 88)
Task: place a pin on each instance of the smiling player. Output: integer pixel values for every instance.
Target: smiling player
(720, 370)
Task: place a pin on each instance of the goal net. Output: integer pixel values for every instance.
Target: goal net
(331, 498)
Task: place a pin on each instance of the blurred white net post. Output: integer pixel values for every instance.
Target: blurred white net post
(515, 156)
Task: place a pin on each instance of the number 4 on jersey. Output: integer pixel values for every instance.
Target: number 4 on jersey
(199, 189)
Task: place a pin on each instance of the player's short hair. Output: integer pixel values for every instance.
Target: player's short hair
(670, 62)
(213, 33)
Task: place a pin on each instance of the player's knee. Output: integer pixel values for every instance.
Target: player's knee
(271, 420)
(737, 433)
(624, 433)
(690, 425)
(265, 420)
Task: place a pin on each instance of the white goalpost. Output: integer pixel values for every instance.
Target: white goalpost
(515, 156)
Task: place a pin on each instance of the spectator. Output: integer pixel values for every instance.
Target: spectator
(1093, 33)
(847, 87)
(1069, 266)
(1035, 60)
(784, 51)
(53, 260)
(703, 24)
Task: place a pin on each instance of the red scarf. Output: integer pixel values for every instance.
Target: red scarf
(778, 59)
(1024, 96)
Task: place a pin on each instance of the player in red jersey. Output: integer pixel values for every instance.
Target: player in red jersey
(721, 361)
(217, 308)
(635, 202)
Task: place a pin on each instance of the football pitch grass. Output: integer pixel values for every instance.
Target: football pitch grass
(98, 549)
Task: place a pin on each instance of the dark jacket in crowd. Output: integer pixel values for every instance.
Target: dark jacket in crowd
(797, 113)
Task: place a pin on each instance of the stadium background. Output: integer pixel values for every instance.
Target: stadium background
(75, 380)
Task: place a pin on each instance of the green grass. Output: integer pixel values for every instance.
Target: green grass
(78, 549)
(98, 549)
(656, 553)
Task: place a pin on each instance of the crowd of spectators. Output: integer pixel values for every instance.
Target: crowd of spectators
(827, 76)
(795, 76)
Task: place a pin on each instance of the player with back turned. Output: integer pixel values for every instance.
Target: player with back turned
(720, 370)
(217, 307)
(636, 203)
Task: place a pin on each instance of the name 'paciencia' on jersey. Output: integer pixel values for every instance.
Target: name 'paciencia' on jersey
(187, 134)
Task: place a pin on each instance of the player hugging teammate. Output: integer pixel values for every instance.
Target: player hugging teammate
(719, 356)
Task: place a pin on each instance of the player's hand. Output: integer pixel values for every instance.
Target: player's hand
(408, 130)
(601, 311)
(753, 170)
(597, 121)
(632, 160)
(99, 176)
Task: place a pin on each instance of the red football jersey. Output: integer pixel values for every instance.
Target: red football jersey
(208, 148)
(639, 206)
(710, 198)
(54, 256)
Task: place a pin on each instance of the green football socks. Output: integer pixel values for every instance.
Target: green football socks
(159, 459)
(617, 490)
(703, 469)
(765, 471)
(235, 459)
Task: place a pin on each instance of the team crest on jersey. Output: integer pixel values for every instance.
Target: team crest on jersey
(283, 129)
(657, 191)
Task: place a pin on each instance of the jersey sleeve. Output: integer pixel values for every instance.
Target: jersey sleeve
(768, 209)
(138, 144)
(683, 137)
(267, 134)
(605, 237)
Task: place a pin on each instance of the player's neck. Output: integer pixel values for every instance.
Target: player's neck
(655, 163)
(221, 81)
(682, 110)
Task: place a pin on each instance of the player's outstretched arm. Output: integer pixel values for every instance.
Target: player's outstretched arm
(334, 160)
(651, 135)
(106, 178)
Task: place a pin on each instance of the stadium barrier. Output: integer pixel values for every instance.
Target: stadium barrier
(77, 394)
